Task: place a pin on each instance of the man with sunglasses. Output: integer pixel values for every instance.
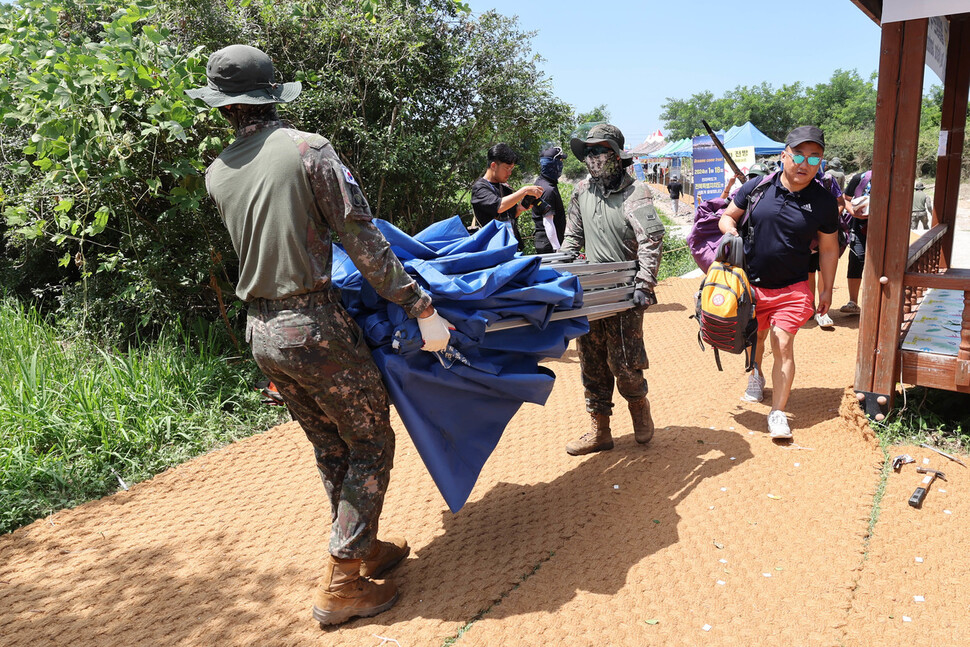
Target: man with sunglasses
(613, 217)
(783, 218)
(493, 198)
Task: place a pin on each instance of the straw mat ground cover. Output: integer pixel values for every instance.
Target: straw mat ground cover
(710, 535)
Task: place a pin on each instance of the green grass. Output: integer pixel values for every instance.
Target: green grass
(933, 416)
(77, 420)
(676, 259)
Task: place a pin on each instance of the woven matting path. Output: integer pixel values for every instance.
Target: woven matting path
(711, 535)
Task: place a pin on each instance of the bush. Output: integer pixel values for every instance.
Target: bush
(103, 196)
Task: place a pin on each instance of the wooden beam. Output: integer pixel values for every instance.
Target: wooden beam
(955, 278)
(954, 121)
(925, 242)
(898, 103)
(934, 371)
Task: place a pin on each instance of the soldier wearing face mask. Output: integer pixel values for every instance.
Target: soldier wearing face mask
(612, 216)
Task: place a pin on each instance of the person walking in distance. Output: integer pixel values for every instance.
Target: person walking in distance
(674, 188)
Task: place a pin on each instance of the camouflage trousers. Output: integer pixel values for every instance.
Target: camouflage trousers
(613, 351)
(316, 355)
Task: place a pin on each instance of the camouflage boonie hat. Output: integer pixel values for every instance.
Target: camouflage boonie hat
(243, 74)
(601, 134)
(757, 169)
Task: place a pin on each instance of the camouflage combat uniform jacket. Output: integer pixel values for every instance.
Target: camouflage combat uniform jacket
(617, 225)
(281, 193)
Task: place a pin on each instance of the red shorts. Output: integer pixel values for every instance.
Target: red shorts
(788, 308)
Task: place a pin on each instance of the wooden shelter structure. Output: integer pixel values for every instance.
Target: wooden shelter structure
(898, 273)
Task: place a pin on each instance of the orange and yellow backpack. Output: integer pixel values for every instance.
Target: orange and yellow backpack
(724, 305)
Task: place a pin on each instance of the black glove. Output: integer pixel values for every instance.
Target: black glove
(643, 299)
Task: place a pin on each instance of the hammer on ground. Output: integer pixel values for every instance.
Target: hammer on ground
(920, 493)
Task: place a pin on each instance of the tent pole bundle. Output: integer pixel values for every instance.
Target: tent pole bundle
(607, 289)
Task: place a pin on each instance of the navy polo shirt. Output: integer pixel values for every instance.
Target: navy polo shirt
(783, 225)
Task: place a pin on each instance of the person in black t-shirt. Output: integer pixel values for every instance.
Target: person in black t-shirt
(674, 187)
(791, 210)
(493, 198)
(549, 215)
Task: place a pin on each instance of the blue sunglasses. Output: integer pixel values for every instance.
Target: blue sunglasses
(812, 161)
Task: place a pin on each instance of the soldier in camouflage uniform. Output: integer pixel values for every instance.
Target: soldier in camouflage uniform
(281, 193)
(612, 215)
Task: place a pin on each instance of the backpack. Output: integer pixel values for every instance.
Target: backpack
(845, 220)
(724, 305)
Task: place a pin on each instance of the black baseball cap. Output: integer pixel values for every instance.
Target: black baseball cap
(804, 134)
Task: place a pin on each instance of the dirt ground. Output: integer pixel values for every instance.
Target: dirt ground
(710, 535)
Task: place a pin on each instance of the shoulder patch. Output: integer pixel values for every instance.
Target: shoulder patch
(348, 176)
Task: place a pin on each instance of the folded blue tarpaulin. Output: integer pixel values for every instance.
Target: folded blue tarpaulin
(456, 404)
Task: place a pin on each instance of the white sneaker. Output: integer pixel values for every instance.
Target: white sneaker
(778, 424)
(850, 308)
(756, 387)
(824, 321)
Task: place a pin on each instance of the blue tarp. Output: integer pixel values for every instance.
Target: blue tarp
(456, 404)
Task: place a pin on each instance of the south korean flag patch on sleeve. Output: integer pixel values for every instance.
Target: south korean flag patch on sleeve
(348, 176)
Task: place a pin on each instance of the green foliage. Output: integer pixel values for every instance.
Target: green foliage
(844, 107)
(105, 212)
(933, 416)
(676, 259)
(75, 421)
(846, 100)
(104, 205)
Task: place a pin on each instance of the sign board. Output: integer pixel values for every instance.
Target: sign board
(708, 170)
(743, 157)
(937, 40)
(896, 10)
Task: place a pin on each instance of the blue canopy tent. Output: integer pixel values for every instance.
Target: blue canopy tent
(748, 135)
(456, 404)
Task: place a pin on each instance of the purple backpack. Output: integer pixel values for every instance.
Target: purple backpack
(705, 234)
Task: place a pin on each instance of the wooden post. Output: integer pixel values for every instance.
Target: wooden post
(954, 120)
(898, 102)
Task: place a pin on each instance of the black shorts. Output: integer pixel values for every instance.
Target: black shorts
(857, 255)
(813, 263)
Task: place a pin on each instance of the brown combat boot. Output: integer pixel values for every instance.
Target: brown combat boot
(347, 595)
(642, 421)
(383, 556)
(597, 439)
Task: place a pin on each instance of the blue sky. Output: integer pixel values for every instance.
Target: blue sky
(631, 56)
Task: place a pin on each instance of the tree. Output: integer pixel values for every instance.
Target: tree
(105, 152)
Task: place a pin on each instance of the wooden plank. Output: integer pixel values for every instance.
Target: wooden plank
(954, 119)
(917, 249)
(931, 370)
(898, 100)
(953, 279)
(893, 174)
